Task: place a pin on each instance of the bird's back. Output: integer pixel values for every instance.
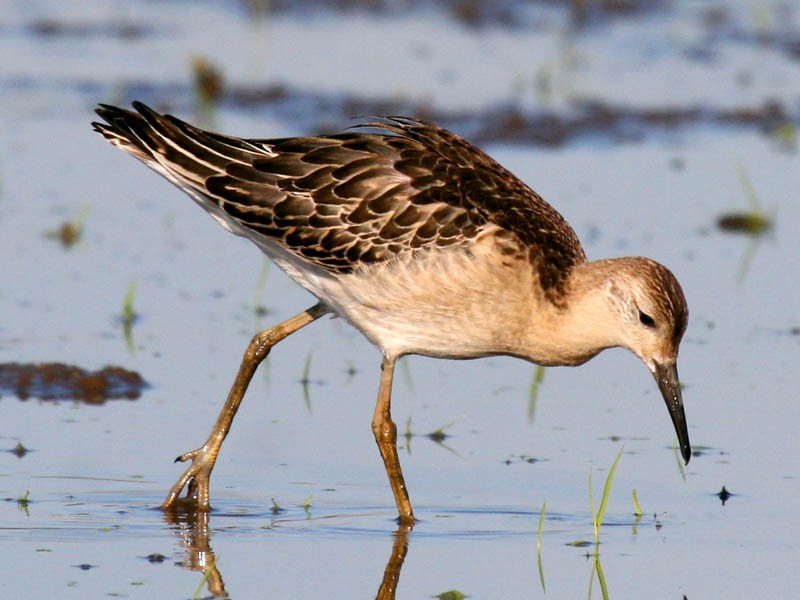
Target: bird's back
(347, 201)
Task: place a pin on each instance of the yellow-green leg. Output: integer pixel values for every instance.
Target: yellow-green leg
(196, 477)
(385, 432)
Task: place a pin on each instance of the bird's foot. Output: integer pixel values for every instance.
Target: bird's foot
(196, 481)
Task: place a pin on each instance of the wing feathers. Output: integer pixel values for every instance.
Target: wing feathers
(354, 198)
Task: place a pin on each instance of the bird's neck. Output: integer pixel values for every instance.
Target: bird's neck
(582, 322)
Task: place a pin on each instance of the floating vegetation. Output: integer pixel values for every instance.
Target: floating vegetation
(438, 435)
(753, 222)
(24, 500)
(276, 509)
(19, 450)
(522, 458)
(451, 595)
(749, 223)
(155, 558)
(58, 381)
(307, 506)
(69, 233)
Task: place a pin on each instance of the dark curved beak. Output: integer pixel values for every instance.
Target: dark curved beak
(670, 386)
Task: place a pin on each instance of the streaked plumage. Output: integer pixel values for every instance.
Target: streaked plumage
(424, 243)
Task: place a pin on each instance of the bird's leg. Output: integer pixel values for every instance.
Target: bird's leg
(196, 478)
(385, 432)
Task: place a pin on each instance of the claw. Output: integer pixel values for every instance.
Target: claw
(188, 455)
(195, 480)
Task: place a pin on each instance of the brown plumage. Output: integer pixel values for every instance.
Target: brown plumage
(352, 199)
(422, 242)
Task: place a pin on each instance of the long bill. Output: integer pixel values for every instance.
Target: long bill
(670, 386)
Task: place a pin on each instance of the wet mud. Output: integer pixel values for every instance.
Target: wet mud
(58, 381)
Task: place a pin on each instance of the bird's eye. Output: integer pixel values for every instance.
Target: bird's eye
(646, 319)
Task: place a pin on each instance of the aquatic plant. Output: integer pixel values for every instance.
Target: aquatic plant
(129, 316)
(637, 509)
(207, 572)
(533, 390)
(597, 517)
(539, 544)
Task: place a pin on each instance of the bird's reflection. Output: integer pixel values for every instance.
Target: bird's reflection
(391, 574)
(193, 527)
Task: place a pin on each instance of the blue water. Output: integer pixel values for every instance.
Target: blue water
(96, 472)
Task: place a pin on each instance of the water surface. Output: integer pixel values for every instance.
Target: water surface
(95, 471)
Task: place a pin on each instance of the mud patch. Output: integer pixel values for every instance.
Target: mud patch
(58, 381)
(507, 123)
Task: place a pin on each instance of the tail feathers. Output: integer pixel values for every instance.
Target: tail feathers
(182, 153)
(120, 130)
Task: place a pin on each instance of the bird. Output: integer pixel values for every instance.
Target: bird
(423, 243)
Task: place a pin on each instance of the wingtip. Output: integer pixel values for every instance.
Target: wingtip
(109, 112)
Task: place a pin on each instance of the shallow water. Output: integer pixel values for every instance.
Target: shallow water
(95, 471)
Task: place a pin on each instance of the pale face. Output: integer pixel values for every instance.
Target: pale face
(653, 318)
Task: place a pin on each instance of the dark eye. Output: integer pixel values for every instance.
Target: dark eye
(646, 319)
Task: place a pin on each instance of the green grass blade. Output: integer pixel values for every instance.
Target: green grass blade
(679, 459)
(405, 369)
(607, 490)
(259, 307)
(129, 317)
(304, 381)
(601, 577)
(533, 391)
(594, 513)
(206, 574)
(539, 545)
(637, 509)
(438, 435)
(749, 190)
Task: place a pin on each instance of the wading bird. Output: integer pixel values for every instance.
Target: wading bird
(424, 244)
